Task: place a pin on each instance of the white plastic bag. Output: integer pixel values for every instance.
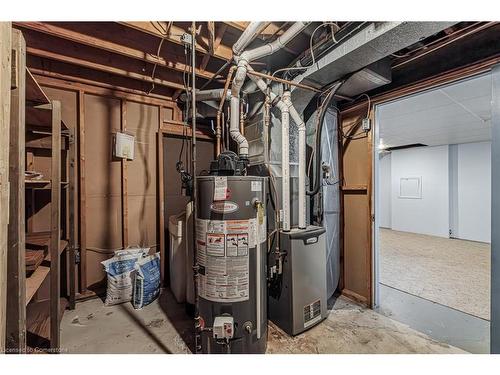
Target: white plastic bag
(120, 270)
(146, 281)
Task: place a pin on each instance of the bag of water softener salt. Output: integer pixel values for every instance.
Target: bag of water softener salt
(146, 281)
(120, 271)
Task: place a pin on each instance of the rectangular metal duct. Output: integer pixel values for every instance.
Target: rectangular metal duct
(371, 77)
(368, 45)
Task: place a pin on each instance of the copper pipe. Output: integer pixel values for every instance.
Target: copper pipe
(242, 120)
(219, 111)
(281, 80)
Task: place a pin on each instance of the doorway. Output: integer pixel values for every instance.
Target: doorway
(433, 212)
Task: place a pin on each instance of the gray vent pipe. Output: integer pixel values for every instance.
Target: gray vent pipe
(243, 63)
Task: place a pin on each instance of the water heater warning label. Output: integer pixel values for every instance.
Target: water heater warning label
(223, 252)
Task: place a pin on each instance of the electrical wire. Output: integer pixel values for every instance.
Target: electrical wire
(112, 251)
(311, 49)
(165, 35)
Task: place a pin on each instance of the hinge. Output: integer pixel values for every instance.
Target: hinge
(14, 76)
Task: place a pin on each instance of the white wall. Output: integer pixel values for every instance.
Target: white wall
(474, 191)
(384, 191)
(430, 214)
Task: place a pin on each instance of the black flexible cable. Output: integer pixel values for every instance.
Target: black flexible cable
(319, 131)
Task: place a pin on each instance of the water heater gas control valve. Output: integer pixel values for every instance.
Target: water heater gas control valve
(223, 328)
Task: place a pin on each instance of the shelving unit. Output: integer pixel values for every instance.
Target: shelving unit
(42, 147)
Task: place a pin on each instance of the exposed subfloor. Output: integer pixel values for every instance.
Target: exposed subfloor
(164, 327)
(451, 272)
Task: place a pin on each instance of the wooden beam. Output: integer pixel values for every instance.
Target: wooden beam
(108, 46)
(218, 38)
(56, 80)
(124, 177)
(271, 29)
(103, 68)
(71, 212)
(161, 197)
(55, 227)
(16, 270)
(176, 128)
(5, 85)
(224, 53)
(83, 194)
(211, 37)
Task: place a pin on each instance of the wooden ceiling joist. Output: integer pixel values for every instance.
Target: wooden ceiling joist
(224, 53)
(271, 29)
(109, 46)
(101, 67)
(218, 38)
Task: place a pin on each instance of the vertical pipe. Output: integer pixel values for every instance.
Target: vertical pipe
(302, 158)
(193, 163)
(285, 166)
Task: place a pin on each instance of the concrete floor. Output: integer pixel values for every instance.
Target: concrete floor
(163, 327)
(440, 322)
(451, 272)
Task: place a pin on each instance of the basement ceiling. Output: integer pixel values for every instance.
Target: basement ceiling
(453, 114)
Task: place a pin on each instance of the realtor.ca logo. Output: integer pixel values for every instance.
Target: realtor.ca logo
(225, 207)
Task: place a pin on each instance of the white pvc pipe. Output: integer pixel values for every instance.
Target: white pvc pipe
(285, 164)
(243, 64)
(302, 157)
(277, 44)
(204, 95)
(234, 124)
(285, 152)
(248, 36)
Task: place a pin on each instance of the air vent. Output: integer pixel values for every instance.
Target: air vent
(312, 313)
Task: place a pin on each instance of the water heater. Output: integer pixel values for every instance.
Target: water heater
(231, 256)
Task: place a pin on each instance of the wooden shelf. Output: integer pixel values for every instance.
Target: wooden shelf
(34, 282)
(43, 239)
(36, 279)
(63, 245)
(38, 322)
(41, 184)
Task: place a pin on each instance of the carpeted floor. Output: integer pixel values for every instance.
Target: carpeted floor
(454, 273)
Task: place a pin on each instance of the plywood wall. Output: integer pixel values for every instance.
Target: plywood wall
(142, 122)
(102, 183)
(106, 211)
(356, 201)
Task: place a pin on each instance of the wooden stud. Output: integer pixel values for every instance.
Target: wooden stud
(71, 212)
(124, 177)
(5, 87)
(161, 197)
(55, 227)
(16, 272)
(83, 193)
